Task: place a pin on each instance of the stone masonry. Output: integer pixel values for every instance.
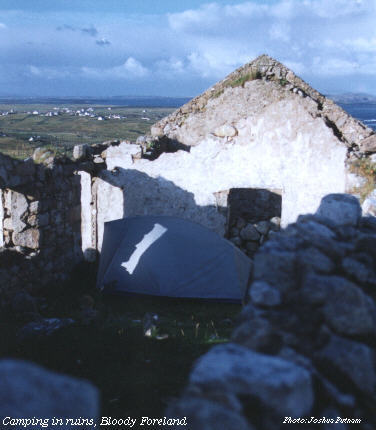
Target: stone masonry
(40, 225)
(262, 128)
(262, 134)
(304, 345)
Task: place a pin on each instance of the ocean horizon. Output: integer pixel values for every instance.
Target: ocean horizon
(365, 112)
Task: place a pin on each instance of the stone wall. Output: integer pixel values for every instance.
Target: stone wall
(303, 159)
(264, 81)
(53, 211)
(40, 221)
(252, 216)
(305, 342)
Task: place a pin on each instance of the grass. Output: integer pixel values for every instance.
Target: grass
(218, 93)
(240, 82)
(367, 170)
(64, 131)
(136, 375)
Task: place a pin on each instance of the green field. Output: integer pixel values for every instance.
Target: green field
(63, 131)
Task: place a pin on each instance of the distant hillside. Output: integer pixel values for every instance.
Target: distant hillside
(127, 101)
(348, 98)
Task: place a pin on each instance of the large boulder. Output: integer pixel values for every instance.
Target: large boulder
(28, 391)
(340, 208)
(279, 384)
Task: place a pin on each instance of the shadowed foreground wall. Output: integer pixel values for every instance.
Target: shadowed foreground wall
(304, 345)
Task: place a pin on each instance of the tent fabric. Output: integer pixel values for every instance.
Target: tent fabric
(169, 256)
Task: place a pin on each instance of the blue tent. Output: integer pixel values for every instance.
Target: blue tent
(169, 256)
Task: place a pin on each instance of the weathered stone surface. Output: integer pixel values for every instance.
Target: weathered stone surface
(156, 131)
(313, 259)
(7, 224)
(34, 206)
(368, 144)
(276, 268)
(18, 208)
(275, 223)
(347, 309)
(342, 209)
(41, 155)
(353, 360)
(249, 232)
(324, 323)
(257, 154)
(225, 130)
(29, 391)
(28, 238)
(263, 294)
(361, 271)
(122, 155)
(281, 385)
(315, 228)
(214, 415)
(98, 160)
(258, 334)
(369, 205)
(263, 227)
(315, 288)
(80, 151)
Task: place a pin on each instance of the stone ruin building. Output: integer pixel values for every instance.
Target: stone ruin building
(252, 152)
(248, 156)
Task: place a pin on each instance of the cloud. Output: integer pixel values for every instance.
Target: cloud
(65, 27)
(130, 69)
(338, 8)
(296, 32)
(49, 73)
(216, 63)
(133, 67)
(103, 42)
(330, 44)
(91, 31)
(280, 31)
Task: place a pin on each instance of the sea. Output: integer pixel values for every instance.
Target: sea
(365, 112)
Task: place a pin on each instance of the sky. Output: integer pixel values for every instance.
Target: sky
(180, 47)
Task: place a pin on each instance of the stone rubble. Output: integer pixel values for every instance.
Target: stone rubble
(250, 237)
(305, 341)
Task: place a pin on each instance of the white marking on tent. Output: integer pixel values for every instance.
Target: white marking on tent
(149, 238)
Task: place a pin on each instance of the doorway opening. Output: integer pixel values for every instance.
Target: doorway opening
(252, 215)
